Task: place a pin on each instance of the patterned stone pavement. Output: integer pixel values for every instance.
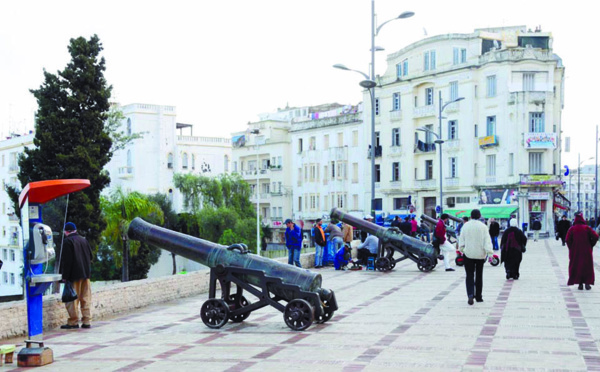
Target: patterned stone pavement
(401, 320)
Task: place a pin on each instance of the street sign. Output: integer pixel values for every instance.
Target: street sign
(438, 209)
(566, 170)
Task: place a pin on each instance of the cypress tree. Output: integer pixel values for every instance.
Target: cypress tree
(71, 138)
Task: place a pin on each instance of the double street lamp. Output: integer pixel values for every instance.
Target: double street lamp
(369, 83)
(440, 141)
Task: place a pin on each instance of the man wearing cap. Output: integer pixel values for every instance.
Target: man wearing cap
(293, 242)
(76, 267)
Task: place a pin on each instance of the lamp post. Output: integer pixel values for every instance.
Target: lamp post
(370, 84)
(256, 131)
(440, 141)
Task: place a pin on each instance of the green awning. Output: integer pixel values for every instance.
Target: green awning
(458, 212)
(497, 212)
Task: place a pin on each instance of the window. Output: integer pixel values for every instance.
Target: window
(299, 204)
(452, 129)
(476, 134)
(355, 202)
(312, 143)
(376, 106)
(12, 279)
(528, 81)
(405, 67)
(184, 161)
(429, 60)
(428, 96)
(299, 145)
(399, 70)
(170, 161)
(396, 171)
(475, 169)
(377, 204)
(128, 127)
(194, 163)
(355, 138)
(535, 163)
(333, 170)
(453, 167)
(428, 135)
(490, 165)
(5, 254)
(354, 172)
(511, 164)
(396, 137)
(463, 55)
(396, 102)
(428, 169)
(463, 199)
(13, 255)
(5, 277)
(377, 172)
(490, 126)
(340, 139)
(400, 203)
(326, 142)
(491, 86)
(459, 56)
(453, 90)
(536, 122)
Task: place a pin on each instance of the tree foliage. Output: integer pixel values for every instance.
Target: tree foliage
(71, 139)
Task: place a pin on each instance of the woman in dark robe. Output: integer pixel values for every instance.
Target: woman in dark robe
(580, 240)
(513, 245)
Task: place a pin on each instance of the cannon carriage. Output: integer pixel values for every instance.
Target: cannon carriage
(392, 241)
(236, 270)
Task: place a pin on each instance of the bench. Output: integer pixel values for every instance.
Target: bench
(9, 351)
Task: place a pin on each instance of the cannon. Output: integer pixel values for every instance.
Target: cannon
(450, 231)
(270, 281)
(392, 240)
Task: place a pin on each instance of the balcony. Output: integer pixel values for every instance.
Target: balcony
(452, 107)
(339, 153)
(540, 140)
(396, 115)
(452, 145)
(424, 111)
(423, 147)
(490, 179)
(488, 141)
(395, 151)
(426, 184)
(378, 152)
(451, 182)
(125, 172)
(275, 168)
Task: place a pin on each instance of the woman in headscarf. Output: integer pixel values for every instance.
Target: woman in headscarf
(513, 246)
(580, 240)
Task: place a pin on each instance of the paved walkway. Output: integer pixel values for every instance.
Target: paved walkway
(402, 320)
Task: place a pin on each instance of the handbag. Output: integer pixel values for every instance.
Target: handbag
(69, 294)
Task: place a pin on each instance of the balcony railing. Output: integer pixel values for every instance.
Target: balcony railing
(490, 179)
(426, 184)
(424, 111)
(125, 172)
(451, 182)
(540, 140)
(396, 115)
(422, 147)
(453, 144)
(378, 151)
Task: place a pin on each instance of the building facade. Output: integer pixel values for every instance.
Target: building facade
(501, 141)
(11, 251)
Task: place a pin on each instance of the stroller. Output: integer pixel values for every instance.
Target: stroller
(460, 259)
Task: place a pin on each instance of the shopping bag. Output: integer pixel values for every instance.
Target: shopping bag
(69, 294)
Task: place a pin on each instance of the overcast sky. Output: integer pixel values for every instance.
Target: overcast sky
(221, 63)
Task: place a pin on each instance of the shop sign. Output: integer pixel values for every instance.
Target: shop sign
(498, 196)
(540, 140)
(540, 180)
(277, 224)
(488, 141)
(539, 195)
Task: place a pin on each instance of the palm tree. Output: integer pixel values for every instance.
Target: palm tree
(119, 210)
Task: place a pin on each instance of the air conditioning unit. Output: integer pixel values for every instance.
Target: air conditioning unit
(451, 201)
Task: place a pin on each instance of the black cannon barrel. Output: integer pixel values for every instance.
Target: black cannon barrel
(432, 221)
(211, 255)
(391, 235)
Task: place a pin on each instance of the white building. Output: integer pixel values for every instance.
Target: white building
(11, 252)
(147, 165)
(580, 189)
(502, 141)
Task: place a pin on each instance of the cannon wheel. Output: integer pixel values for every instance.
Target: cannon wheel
(214, 313)
(425, 264)
(243, 302)
(298, 314)
(327, 313)
(382, 264)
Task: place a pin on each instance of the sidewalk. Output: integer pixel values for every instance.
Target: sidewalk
(403, 320)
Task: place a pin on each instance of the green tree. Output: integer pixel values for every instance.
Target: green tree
(171, 219)
(119, 210)
(71, 139)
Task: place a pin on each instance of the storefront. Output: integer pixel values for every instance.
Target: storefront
(536, 200)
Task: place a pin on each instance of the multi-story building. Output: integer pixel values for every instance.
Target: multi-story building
(11, 251)
(501, 149)
(147, 165)
(580, 188)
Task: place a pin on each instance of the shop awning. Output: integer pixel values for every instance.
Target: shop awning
(458, 212)
(497, 212)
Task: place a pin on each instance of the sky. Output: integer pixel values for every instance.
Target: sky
(221, 63)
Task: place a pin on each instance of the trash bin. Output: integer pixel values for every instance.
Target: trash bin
(525, 225)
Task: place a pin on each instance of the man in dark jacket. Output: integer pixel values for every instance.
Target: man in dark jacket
(562, 227)
(494, 232)
(293, 242)
(320, 243)
(406, 226)
(76, 267)
(536, 226)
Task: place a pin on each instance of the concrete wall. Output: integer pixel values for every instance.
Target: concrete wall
(113, 299)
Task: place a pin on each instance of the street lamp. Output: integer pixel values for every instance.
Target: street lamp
(440, 141)
(370, 84)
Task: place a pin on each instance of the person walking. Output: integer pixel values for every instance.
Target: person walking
(562, 227)
(335, 236)
(293, 242)
(513, 246)
(320, 243)
(494, 232)
(76, 268)
(580, 240)
(536, 226)
(445, 246)
(475, 244)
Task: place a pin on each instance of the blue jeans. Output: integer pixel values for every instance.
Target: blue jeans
(319, 255)
(338, 243)
(495, 242)
(294, 257)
